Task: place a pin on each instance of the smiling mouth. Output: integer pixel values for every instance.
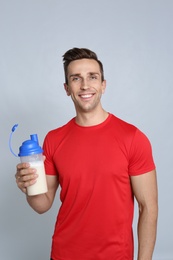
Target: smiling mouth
(86, 96)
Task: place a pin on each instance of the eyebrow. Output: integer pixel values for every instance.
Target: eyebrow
(75, 75)
(79, 75)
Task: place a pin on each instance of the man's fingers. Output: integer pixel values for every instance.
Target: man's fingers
(22, 166)
(25, 176)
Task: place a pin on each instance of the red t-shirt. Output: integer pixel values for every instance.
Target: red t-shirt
(93, 165)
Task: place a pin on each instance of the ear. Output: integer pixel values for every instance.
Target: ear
(67, 89)
(103, 86)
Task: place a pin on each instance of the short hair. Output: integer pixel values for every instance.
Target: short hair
(77, 54)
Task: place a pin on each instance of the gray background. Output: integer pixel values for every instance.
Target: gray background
(134, 40)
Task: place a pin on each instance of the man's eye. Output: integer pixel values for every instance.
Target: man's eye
(75, 79)
(93, 77)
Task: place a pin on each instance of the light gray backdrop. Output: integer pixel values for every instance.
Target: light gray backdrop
(134, 39)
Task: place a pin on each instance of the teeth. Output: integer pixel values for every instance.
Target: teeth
(86, 96)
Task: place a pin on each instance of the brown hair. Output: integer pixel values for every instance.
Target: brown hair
(77, 54)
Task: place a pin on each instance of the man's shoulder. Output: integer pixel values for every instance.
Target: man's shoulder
(61, 129)
(122, 124)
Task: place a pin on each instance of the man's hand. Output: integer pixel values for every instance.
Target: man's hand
(25, 176)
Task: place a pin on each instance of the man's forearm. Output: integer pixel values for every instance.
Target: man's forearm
(40, 203)
(147, 227)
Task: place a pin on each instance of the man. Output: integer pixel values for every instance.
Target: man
(101, 164)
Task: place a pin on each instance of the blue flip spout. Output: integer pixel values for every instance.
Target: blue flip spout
(34, 138)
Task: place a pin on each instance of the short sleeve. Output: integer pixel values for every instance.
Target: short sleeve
(140, 157)
(48, 152)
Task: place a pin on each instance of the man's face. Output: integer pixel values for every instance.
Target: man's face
(84, 84)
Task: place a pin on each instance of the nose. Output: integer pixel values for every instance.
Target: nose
(84, 84)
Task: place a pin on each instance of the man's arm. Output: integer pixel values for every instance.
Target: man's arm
(145, 191)
(27, 176)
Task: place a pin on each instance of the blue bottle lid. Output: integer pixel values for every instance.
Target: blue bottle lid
(30, 147)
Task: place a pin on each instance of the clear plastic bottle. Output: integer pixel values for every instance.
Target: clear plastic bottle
(31, 152)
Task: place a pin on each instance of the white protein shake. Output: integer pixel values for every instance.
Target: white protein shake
(41, 185)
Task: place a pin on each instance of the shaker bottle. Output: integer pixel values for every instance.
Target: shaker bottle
(30, 152)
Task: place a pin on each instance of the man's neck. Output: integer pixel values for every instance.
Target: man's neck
(91, 118)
